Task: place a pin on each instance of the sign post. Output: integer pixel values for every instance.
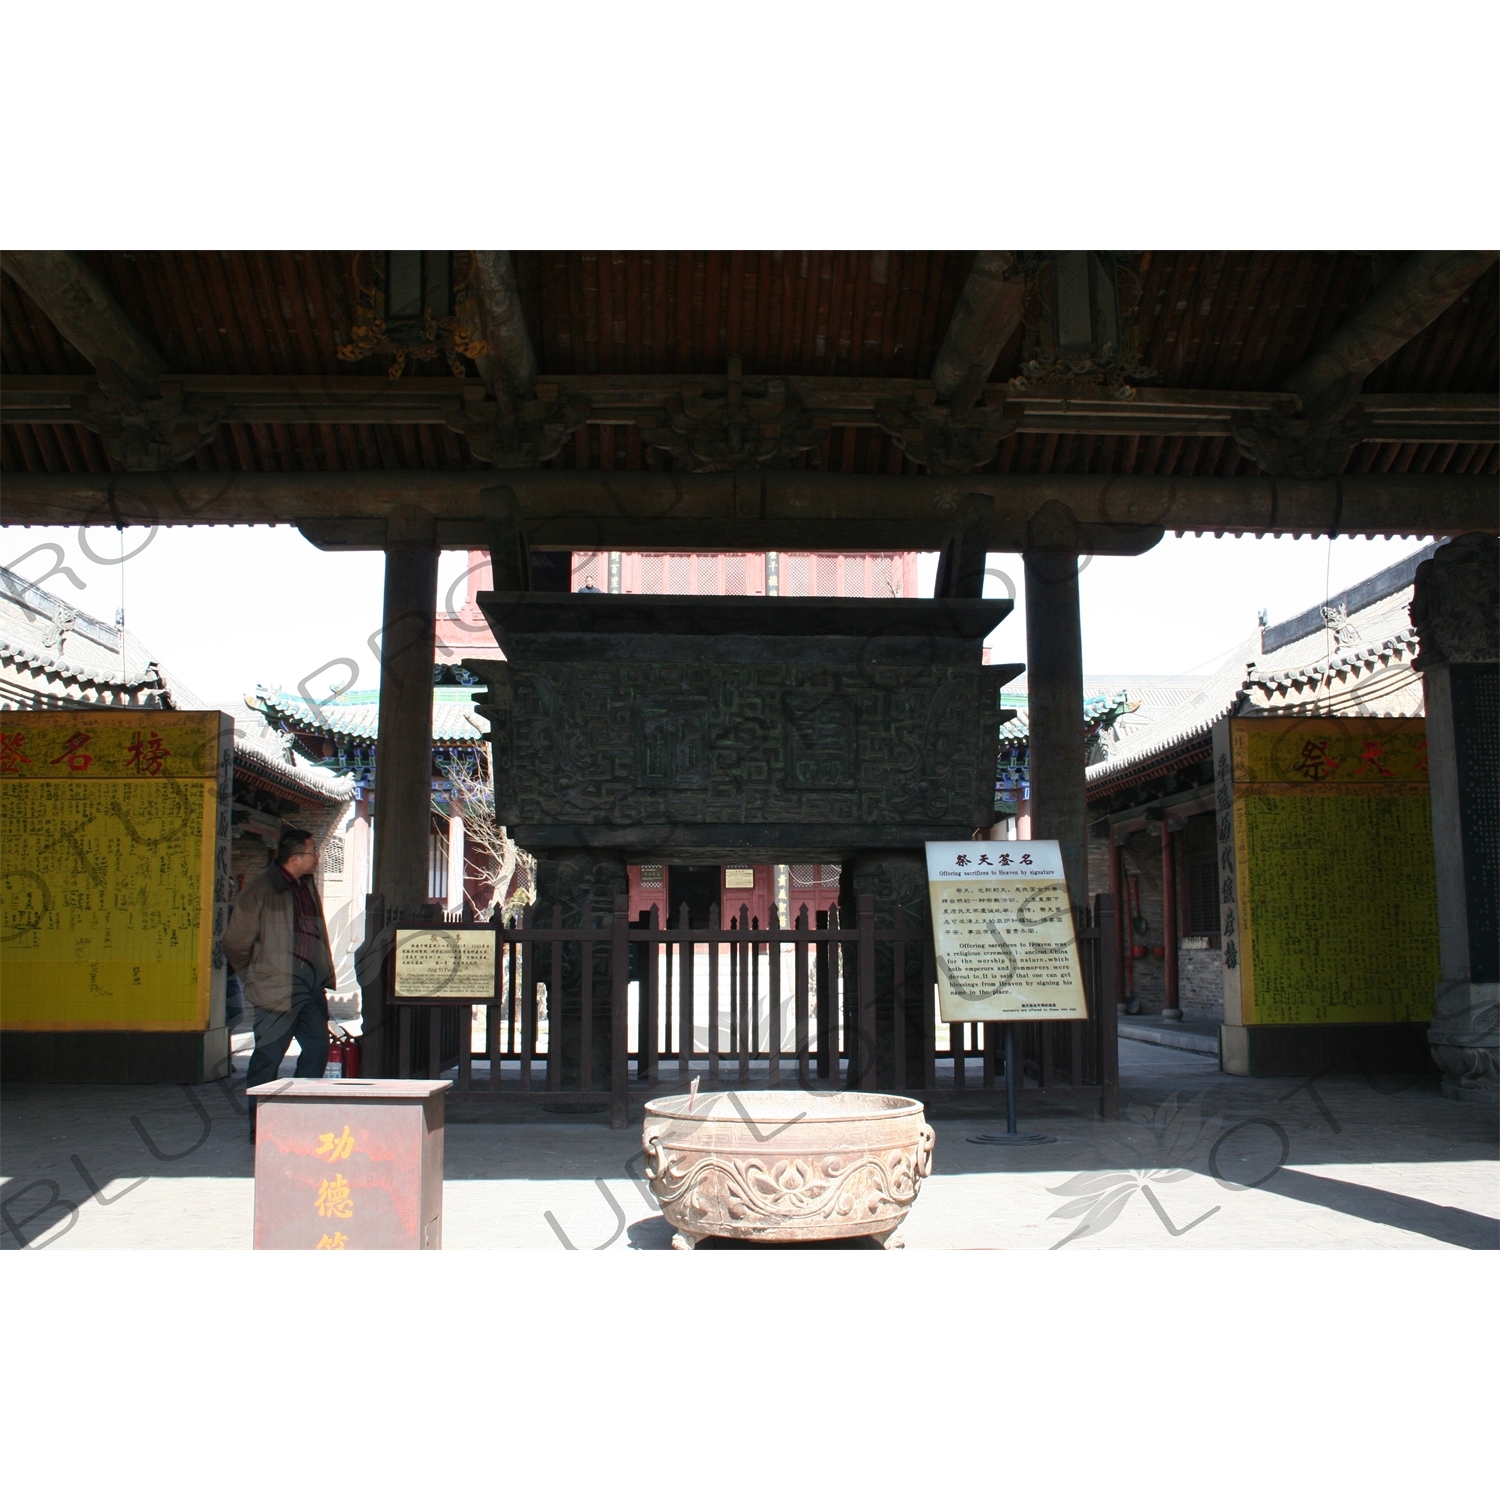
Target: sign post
(1006, 949)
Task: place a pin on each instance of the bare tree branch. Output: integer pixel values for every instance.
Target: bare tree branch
(489, 852)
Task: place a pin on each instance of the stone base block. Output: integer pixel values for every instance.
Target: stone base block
(897, 881)
(584, 884)
(1301, 1051)
(1465, 1040)
(114, 1056)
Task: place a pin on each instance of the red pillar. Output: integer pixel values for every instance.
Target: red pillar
(1172, 1011)
(1117, 936)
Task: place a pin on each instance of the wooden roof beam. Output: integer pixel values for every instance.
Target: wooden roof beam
(832, 400)
(1315, 440)
(1423, 288)
(144, 419)
(81, 308)
(783, 510)
(987, 315)
(511, 355)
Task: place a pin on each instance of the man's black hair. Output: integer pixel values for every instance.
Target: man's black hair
(293, 841)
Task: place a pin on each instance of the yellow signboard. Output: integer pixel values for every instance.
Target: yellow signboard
(1330, 752)
(1003, 927)
(1328, 894)
(114, 878)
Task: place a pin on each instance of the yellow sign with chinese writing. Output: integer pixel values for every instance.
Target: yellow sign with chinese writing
(114, 877)
(1330, 752)
(1003, 929)
(1328, 907)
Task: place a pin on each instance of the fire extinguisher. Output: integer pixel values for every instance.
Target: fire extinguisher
(343, 1054)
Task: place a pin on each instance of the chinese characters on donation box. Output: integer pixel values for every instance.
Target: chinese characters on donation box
(1003, 928)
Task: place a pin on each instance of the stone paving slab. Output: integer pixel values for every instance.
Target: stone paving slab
(1200, 1160)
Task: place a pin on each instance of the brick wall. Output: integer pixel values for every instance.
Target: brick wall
(1200, 983)
(1200, 986)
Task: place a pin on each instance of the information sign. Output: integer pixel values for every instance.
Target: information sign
(1006, 949)
(444, 963)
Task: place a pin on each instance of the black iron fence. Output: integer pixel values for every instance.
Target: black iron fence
(589, 1016)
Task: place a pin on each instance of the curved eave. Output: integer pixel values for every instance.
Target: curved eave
(60, 669)
(266, 777)
(1185, 752)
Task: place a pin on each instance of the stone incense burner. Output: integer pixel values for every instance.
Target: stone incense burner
(786, 1166)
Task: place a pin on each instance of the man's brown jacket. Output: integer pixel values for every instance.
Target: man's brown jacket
(258, 940)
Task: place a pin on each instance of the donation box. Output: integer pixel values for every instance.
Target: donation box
(349, 1164)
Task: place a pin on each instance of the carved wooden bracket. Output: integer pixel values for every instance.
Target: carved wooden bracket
(142, 433)
(753, 424)
(1298, 447)
(519, 434)
(953, 437)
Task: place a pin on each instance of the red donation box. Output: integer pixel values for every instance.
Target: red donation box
(349, 1164)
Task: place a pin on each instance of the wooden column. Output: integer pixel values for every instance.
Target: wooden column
(1171, 1010)
(403, 750)
(1054, 686)
(1116, 935)
(1453, 609)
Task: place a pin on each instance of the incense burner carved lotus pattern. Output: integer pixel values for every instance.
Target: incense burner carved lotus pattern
(793, 1166)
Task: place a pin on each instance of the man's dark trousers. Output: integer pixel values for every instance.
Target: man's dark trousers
(307, 1020)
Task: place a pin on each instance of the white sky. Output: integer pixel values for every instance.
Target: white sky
(1186, 604)
(227, 609)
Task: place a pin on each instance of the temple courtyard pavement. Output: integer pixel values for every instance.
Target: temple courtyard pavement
(1197, 1160)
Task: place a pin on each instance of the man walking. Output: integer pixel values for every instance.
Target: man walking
(278, 944)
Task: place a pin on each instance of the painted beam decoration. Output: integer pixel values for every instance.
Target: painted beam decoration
(1328, 904)
(1006, 947)
(114, 878)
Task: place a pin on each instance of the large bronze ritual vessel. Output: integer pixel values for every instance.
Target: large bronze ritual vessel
(786, 1166)
(738, 728)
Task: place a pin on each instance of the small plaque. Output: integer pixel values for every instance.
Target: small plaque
(437, 963)
(739, 880)
(1006, 949)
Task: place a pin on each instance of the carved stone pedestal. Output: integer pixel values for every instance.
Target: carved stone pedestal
(1465, 1040)
(1455, 608)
